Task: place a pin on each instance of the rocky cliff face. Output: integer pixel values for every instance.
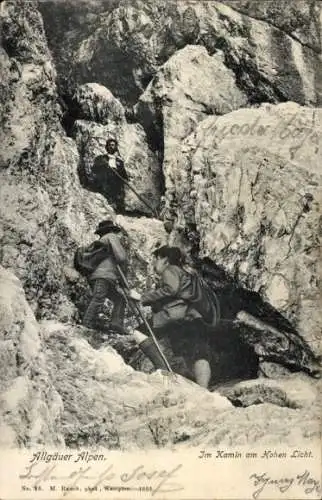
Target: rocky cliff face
(299, 19)
(239, 181)
(249, 181)
(175, 101)
(31, 407)
(43, 203)
(45, 211)
(273, 60)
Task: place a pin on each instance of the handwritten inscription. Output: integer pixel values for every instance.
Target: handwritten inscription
(262, 481)
(158, 480)
(296, 128)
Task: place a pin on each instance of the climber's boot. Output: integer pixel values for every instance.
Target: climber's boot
(118, 328)
(149, 348)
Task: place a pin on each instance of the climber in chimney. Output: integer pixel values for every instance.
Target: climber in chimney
(110, 174)
(99, 264)
(175, 316)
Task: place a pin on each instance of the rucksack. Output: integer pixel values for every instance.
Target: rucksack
(87, 258)
(204, 299)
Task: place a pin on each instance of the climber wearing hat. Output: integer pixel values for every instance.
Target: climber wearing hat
(109, 170)
(104, 279)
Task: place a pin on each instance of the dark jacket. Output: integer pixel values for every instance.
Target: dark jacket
(107, 268)
(169, 300)
(104, 169)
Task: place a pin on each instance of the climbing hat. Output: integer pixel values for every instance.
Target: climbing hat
(107, 226)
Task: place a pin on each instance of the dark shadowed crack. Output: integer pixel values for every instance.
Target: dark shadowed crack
(267, 334)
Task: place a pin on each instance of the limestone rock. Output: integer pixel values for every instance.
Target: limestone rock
(272, 370)
(160, 411)
(262, 424)
(41, 360)
(299, 19)
(125, 46)
(283, 346)
(43, 223)
(176, 99)
(25, 387)
(28, 97)
(175, 83)
(80, 396)
(96, 103)
(145, 235)
(121, 408)
(45, 212)
(66, 24)
(292, 392)
(249, 181)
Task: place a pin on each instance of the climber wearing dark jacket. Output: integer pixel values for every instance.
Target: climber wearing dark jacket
(173, 316)
(105, 170)
(104, 279)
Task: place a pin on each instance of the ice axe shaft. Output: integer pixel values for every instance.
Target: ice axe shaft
(137, 194)
(142, 317)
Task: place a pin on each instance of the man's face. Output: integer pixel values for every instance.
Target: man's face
(111, 147)
(159, 264)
